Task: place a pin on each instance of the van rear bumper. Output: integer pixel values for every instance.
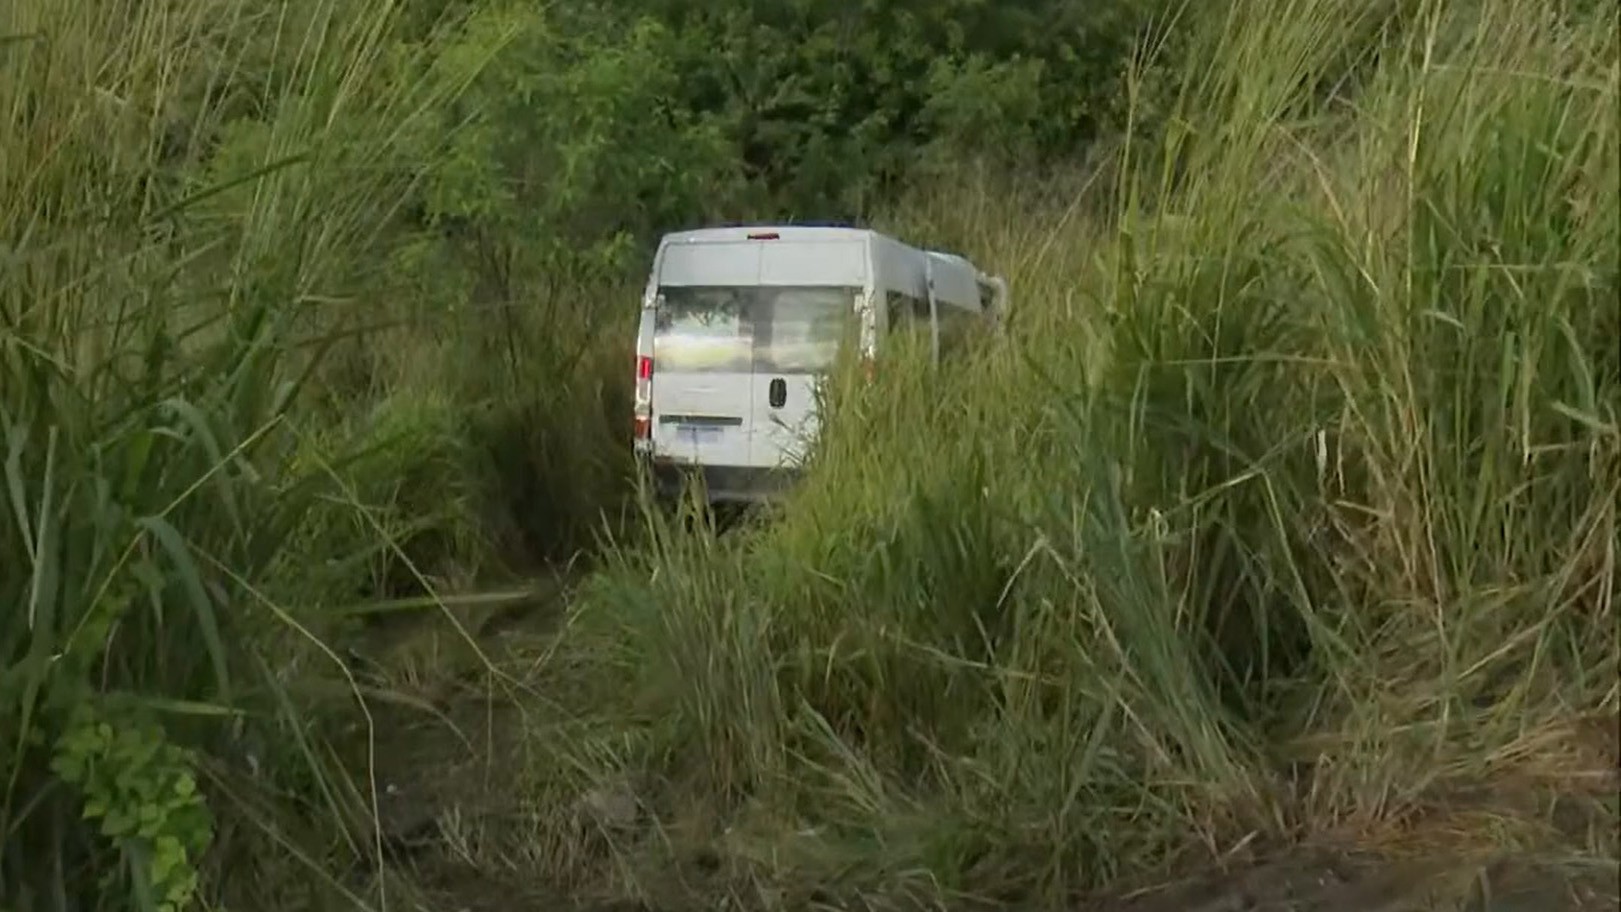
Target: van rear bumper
(720, 484)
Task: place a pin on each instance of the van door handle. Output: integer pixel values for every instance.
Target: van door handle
(778, 393)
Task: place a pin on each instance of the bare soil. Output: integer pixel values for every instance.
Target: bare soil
(1308, 880)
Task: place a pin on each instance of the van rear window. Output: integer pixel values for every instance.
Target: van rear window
(704, 330)
(782, 330)
(798, 330)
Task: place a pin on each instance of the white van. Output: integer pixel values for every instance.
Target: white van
(739, 323)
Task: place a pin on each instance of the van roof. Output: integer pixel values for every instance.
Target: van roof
(956, 277)
(805, 233)
(783, 232)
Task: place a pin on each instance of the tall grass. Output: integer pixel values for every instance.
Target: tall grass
(187, 196)
(1286, 505)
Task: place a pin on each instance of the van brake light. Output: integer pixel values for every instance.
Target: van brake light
(644, 398)
(765, 236)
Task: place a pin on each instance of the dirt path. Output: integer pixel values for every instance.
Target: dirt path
(1319, 881)
(1287, 885)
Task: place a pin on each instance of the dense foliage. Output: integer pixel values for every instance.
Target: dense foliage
(1287, 500)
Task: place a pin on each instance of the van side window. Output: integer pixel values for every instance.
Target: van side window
(906, 312)
(956, 329)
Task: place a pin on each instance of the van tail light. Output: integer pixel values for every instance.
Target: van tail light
(644, 398)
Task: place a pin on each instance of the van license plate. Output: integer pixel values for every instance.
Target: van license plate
(698, 433)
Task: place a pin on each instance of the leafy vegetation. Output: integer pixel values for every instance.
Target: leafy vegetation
(1286, 504)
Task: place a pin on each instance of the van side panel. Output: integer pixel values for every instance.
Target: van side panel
(955, 282)
(901, 267)
(900, 284)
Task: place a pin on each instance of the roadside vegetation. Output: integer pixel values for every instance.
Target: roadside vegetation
(1283, 510)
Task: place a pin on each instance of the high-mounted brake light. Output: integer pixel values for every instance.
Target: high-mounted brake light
(765, 236)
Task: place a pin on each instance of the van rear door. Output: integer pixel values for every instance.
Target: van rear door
(703, 342)
(797, 335)
(807, 303)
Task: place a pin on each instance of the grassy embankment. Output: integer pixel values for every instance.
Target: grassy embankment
(1287, 506)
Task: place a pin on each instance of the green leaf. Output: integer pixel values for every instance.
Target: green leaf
(190, 579)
